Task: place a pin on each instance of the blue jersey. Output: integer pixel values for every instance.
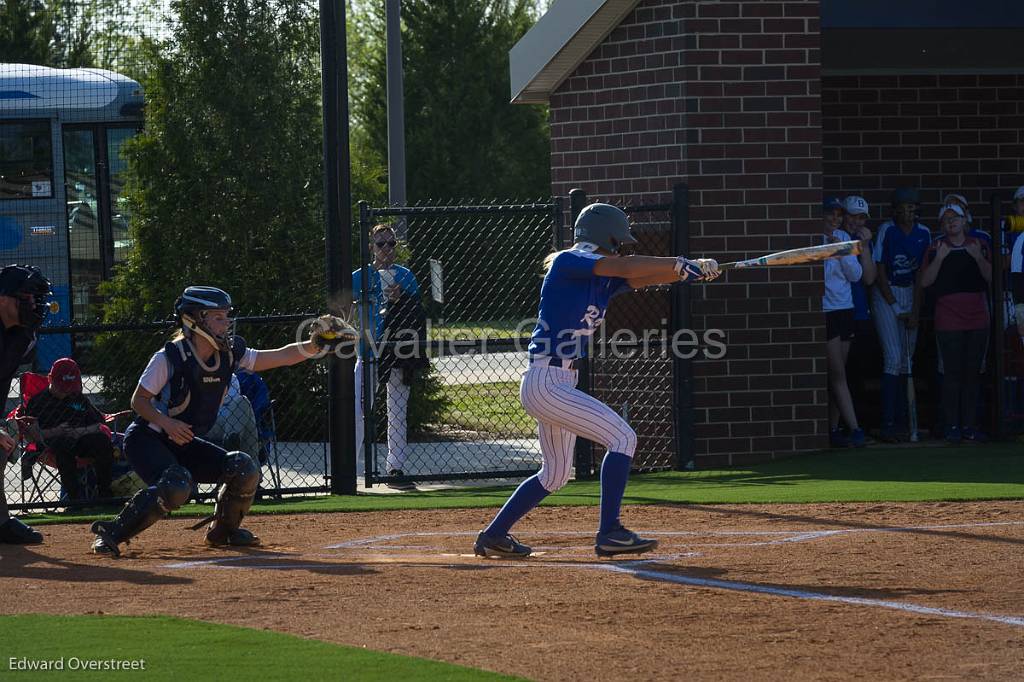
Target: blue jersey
(573, 301)
(901, 254)
(403, 277)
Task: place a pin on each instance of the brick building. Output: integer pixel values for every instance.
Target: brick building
(760, 107)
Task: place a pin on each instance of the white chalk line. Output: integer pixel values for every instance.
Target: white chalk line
(635, 567)
(805, 594)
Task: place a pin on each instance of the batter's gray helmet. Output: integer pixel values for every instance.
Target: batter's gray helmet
(603, 225)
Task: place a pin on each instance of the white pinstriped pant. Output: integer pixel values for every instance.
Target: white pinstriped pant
(892, 333)
(549, 395)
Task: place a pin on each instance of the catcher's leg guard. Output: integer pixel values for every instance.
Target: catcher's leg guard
(144, 509)
(241, 477)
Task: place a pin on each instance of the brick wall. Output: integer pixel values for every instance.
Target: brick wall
(723, 96)
(952, 133)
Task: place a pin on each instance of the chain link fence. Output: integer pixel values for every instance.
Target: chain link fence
(631, 367)
(475, 275)
(473, 282)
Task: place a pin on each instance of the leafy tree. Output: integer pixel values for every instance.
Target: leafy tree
(44, 32)
(463, 137)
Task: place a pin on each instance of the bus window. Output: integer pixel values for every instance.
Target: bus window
(83, 210)
(120, 215)
(26, 167)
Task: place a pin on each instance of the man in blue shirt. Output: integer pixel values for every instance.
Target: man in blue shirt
(388, 283)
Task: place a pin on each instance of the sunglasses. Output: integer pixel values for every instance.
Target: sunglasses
(392, 243)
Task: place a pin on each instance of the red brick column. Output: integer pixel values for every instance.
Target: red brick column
(724, 96)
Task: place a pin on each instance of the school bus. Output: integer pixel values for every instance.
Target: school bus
(62, 132)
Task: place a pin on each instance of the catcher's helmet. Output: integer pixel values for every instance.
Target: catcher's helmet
(192, 306)
(31, 288)
(604, 225)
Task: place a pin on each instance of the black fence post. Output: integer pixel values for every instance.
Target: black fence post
(585, 468)
(679, 318)
(557, 222)
(368, 334)
(338, 233)
(998, 362)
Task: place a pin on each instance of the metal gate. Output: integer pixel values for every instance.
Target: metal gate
(477, 269)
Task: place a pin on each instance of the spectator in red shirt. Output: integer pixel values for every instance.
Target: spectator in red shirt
(959, 269)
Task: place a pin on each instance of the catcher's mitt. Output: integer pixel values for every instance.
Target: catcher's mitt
(330, 331)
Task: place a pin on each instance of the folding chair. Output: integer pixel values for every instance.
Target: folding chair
(45, 478)
(255, 389)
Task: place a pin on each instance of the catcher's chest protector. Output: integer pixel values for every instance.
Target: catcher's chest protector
(196, 392)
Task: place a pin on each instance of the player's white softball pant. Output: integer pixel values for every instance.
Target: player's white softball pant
(891, 330)
(549, 395)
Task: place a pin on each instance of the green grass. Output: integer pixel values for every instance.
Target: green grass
(176, 649)
(495, 329)
(876, 475)
(488, 408)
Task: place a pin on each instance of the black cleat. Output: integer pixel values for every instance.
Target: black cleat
(500, 548)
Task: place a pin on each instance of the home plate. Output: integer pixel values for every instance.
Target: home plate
(472, 556)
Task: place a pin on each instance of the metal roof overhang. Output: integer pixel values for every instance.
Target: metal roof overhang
(558, 43)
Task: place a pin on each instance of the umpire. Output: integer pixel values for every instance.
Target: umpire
(23, 294)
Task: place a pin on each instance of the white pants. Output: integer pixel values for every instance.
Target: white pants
(549, 395)
(892, 333)
(397, 409)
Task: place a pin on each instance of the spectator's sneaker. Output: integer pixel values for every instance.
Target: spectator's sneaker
(974, 436)
(500, 548)
(889, 434)
(838, 439)
(399, 481)
(622, 541)
(857, 438)
(953, 435)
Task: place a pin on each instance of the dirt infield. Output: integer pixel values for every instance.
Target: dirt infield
(879, 591)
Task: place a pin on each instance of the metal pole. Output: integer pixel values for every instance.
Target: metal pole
(585, 466)
(338, 238)
(396, 114)
(367, 347)
(998, 311)
(679, 318)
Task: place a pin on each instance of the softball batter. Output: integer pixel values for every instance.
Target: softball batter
(574, 297)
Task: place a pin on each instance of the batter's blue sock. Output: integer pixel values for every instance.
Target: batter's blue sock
(614, 474)
(527, 496)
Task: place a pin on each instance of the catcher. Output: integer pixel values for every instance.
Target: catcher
(177, 400)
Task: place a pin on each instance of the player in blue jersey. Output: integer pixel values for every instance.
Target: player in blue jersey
(899, 249)
(574, 297)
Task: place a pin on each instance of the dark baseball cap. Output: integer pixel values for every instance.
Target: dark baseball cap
(66, 376)
(829, 204)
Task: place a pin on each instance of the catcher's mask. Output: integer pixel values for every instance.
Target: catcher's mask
(27, 284)
(192, 307)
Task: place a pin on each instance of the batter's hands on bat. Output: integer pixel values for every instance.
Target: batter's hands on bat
(709, 268)
(696, 270)
(330, 331)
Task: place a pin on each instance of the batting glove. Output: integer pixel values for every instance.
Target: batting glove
(696, 270)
